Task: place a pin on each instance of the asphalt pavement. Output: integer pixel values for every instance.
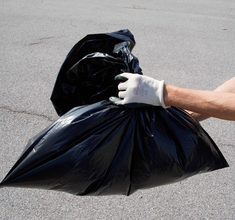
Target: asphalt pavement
(186, 43)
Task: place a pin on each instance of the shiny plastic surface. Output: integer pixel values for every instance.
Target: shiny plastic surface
(104, 149)
(67, 91)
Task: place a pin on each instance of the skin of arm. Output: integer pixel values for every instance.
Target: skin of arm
(219, 103)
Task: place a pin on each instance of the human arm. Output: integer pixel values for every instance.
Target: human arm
(206, 103)
(217, 103)
(227, 87)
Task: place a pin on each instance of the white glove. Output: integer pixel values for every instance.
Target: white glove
(139, 89)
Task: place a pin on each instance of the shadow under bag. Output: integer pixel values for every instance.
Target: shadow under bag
(98, 148)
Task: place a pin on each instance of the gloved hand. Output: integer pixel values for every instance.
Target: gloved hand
(135, 88)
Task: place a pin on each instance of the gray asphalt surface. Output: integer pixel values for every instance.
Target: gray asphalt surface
(182, 42)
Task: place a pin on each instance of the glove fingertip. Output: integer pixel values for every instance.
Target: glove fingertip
(120, 78)
(114, 100)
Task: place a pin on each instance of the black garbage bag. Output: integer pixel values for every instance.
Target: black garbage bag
(104, 149)
(66, 92)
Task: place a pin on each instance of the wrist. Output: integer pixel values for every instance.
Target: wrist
(161, 94)
(166, 95)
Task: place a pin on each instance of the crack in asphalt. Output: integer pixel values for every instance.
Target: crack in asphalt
(227, 145)
(27, 113)
(40, 41)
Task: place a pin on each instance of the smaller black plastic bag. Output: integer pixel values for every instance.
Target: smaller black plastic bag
(92, 78)
(66, 92)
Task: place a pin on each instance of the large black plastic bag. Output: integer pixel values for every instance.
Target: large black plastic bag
(104, 149)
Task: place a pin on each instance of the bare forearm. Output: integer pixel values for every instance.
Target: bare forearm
(228, 86)
(208, 103)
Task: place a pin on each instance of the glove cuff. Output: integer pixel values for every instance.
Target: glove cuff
(161, 94)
